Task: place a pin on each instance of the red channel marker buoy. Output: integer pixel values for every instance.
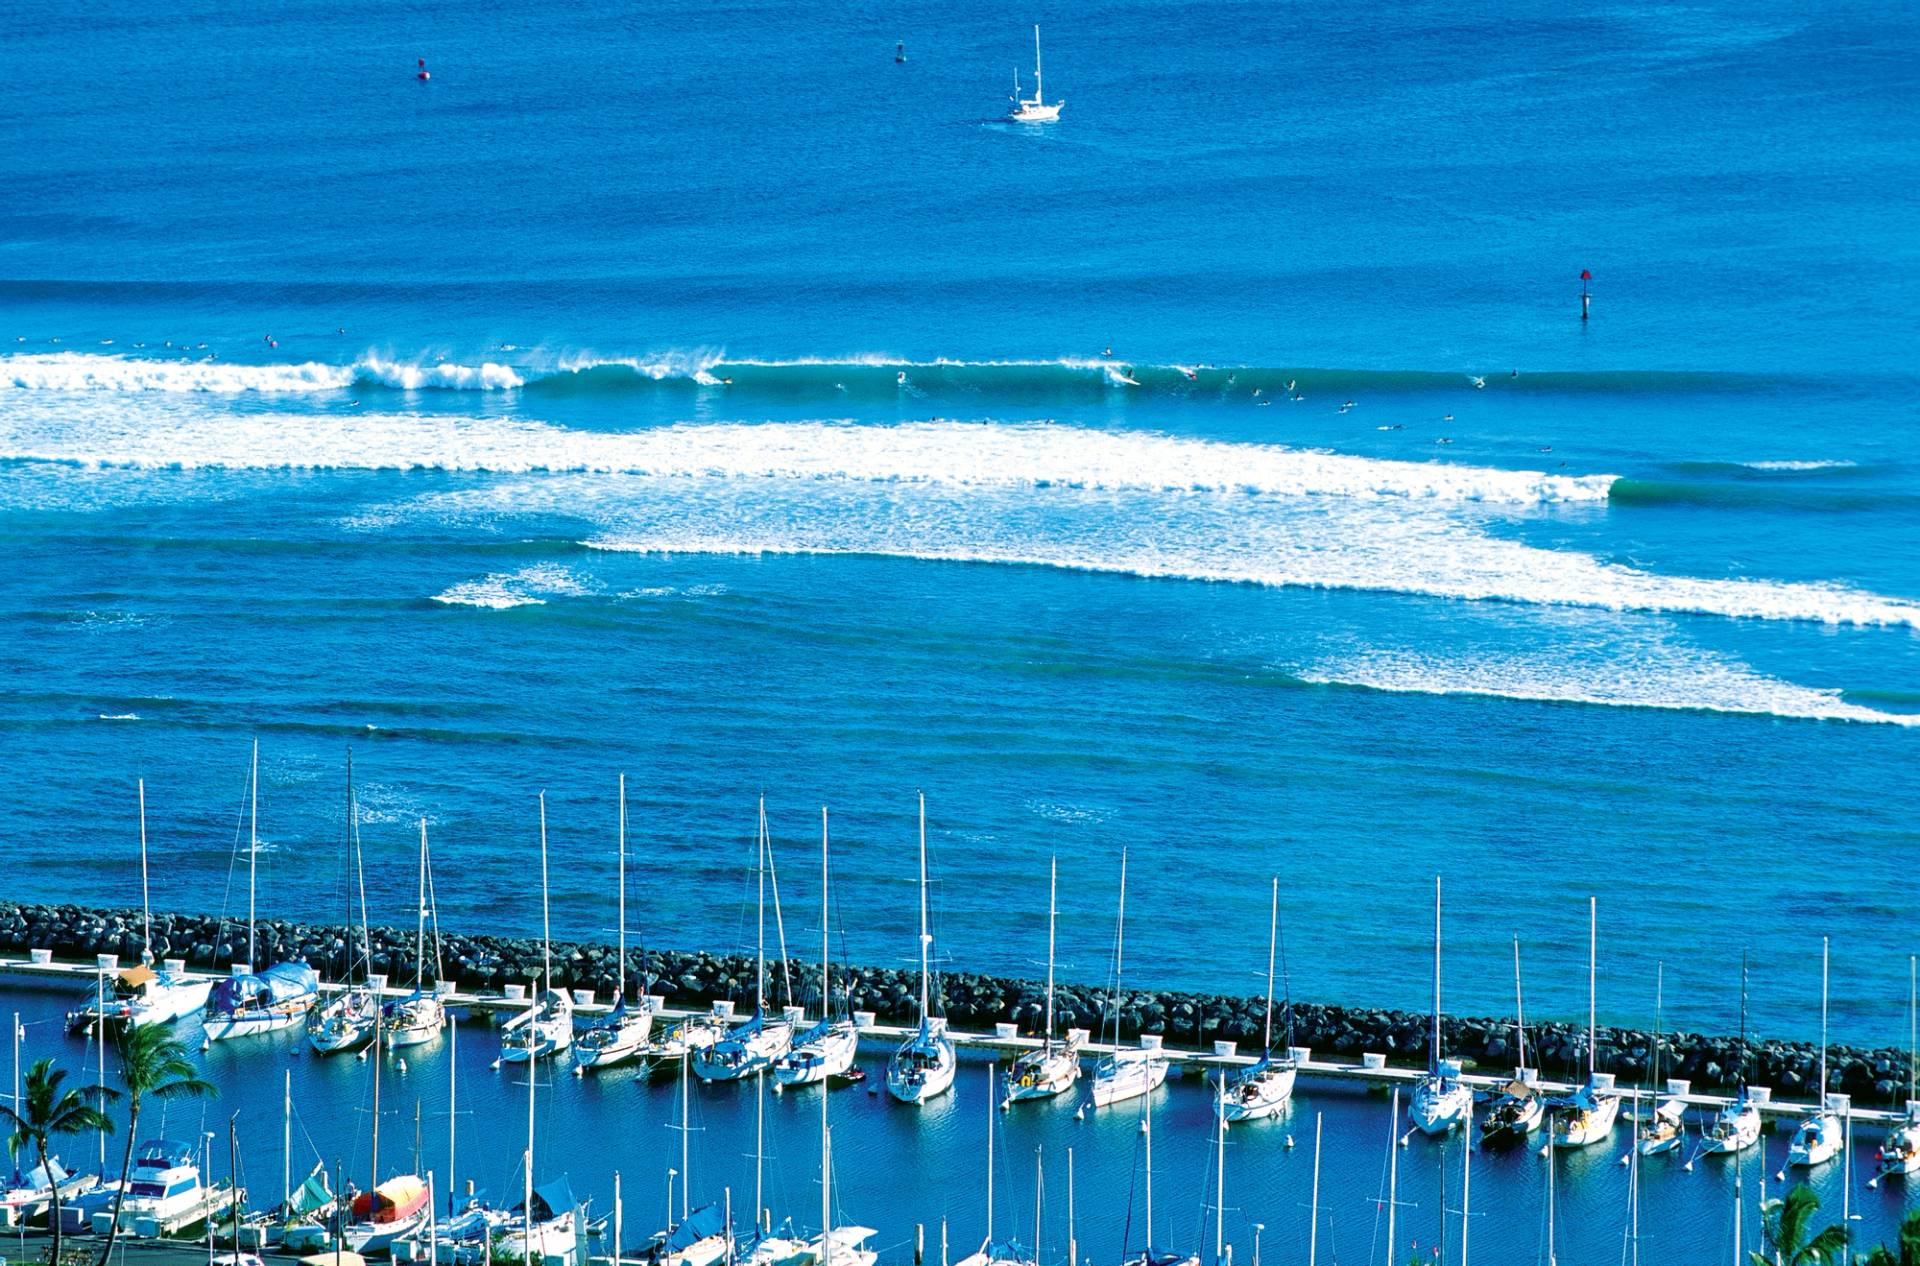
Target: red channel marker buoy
(422, 75)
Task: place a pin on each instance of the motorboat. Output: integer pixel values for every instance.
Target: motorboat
(139, 996)
(30, 1195)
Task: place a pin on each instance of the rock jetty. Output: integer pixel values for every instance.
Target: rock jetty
(971, 1001)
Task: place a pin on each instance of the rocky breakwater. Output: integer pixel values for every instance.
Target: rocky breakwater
(971, 1001)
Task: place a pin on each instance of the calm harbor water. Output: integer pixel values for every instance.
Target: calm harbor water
(895, 1167)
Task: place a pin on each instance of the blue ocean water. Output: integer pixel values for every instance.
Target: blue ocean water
(1222, 474)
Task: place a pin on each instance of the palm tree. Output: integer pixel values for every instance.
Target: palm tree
(153, 1065)
(1789, 1229)
(1908, 1254)
(48, 1111)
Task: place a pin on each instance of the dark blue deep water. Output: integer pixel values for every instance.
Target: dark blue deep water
(1222, 473)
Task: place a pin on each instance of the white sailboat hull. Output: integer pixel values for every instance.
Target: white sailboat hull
(1036, 112)
(744, 1052)
(1263, 1091)
(1900, 1154)
(1735, 1130)
(252, 1023)
(617, 1044)
(922, 1069)
(1043, 1074)
(816, 1060)
(1816, 1142)
(1440, 1104)
(1127, 1075)
(1587, 1123)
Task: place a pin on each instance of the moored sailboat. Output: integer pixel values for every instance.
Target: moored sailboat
(346, 1021)
(1441, 1100)
(622, 1035)
(1900, 1153)
(419, 1017)
(827, 1049)
(1664, 1131)
(1051, 1070)
(1736, 1127)
(1034, 109)
(923, 1067)
(751, 1047)
(1265, 1089)
(1520, 1107)
(546, 1026)
(1590, 1115)
(1817, 1141)
(1125, 1074)
(265, 1002)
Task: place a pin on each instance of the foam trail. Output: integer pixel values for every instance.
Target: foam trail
(441, 376)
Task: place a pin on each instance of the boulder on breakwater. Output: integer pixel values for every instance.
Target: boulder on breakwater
(971, 1001)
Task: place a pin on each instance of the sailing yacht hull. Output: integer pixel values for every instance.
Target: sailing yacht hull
(817, 1060)
(252, 1023)
(921, 1070)
(1900, 1154)
(1128, 1075)
(615, 1045)
(1033, 112)
(739, 1055)
(1735, 1130)
(1816, 1142)
(1438, 1106)
(1265, 1091)
(1043, 1074)
(1588, 1123)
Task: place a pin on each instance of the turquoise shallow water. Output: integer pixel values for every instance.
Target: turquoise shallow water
(702, 395)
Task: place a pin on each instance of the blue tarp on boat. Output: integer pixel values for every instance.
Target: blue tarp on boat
(281, 982)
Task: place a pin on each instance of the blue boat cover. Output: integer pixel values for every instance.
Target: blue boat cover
(278, 983)
(553, 1198)
(705, 1221)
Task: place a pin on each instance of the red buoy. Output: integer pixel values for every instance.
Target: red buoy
(422, 75)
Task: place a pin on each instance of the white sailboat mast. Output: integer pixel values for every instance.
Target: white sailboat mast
(620, 979)
(253, 837)
(1039, 88)
(1313, 1233)
(760, 972)
(1822, 1102)
(826, 948)
(546, 931)
(146, 905)
(1053, 909)
(1433, 1057)
(1519, 1007)
(923, 915)
(1593, 1026)
(1220, 1175)
(1273, 940)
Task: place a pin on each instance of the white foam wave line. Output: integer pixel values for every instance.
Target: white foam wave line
(82, 372)
(1697, 687)
(1793, 466)
(961, 454)
(1470, 569)
(74, 371)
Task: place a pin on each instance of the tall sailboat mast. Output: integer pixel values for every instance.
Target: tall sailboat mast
(146, 905)
(1053, 910)
(1433, 1049)
(1519, 1007)
(1593, 1025)
(826, 948)
(923, 915)
(1273, 940)
(546, 925)
(1039, 88)
(620, 978)
(253, 837)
